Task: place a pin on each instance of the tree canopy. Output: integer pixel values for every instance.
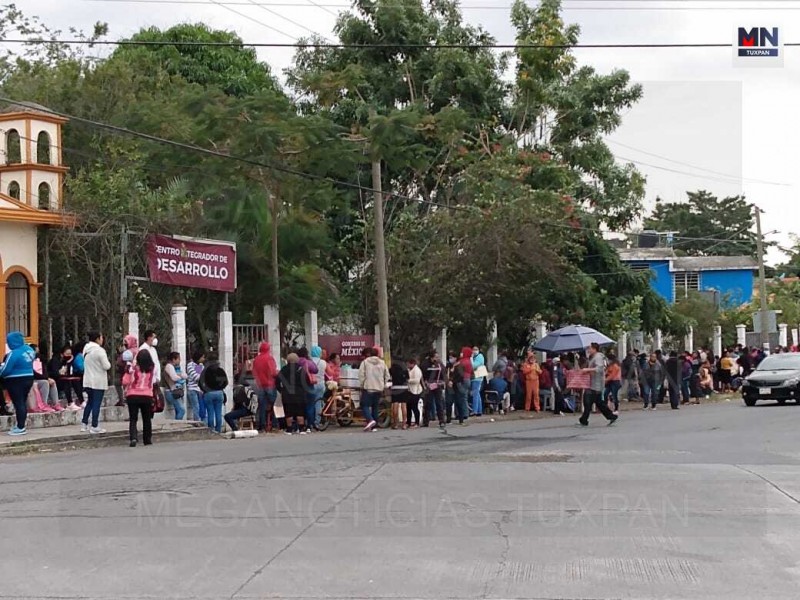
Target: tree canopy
(496, 188)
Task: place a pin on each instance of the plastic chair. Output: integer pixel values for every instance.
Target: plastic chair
(492, 400)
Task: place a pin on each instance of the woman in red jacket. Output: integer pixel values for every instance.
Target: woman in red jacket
(265, 370)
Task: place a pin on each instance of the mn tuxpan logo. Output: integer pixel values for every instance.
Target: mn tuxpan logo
(758, 47)
(759, 41)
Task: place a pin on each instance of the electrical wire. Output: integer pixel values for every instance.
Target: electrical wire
(396, 47)
(287, 19)
(302, 174)
(249, 18)
(685, 164)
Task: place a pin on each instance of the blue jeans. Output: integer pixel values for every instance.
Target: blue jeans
(197, 405)
(477, 401)
(93, 406)
(612, 392)
(266, 400)
(311, 410)
(369, 405)
(462, 406)
(176, 403)
(685, 389)
(651, 394)
(214, 401)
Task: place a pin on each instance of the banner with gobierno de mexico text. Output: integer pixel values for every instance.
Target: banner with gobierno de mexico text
(190, 262)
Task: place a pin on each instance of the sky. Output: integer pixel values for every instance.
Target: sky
(703, 123)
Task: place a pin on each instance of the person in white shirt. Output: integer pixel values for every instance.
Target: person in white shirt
(95, 380)
(150, 343)
(414, 392)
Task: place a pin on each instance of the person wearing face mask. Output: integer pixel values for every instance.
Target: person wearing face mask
(150, 343)
(450, 393)
(479, 374)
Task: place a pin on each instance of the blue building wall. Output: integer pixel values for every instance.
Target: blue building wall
(735, 287)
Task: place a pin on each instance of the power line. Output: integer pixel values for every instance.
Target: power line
(297, 173)
(311, 44)
(685, 164)
(287, 19)
(682, 5)
(249, 18)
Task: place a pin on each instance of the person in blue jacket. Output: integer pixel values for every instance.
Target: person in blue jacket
(479, 373)
(16, 371)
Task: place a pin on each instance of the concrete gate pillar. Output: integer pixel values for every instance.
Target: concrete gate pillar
(622, 345)
(311, 329)
(783, 335)
(741, 334)
(688, 340)
(133, 324)
(657, 341)
(541, 332)
(717, 340)
(441, 345)
(491, 354)
(178, 314)
(272, 320)
(226, 349)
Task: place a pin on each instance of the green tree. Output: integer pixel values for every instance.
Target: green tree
(726, 226)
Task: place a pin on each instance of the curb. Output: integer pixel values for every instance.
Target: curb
(85, 442)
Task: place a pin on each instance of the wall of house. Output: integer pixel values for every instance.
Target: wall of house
(18, 249)
(736, 285)
(662, 279)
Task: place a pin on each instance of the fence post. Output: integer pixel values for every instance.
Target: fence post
(311, 334)
(717, 340)
(441, 346)
(226, 348)
(133, 324)
(541, 332)
(272, 320)
(741, 335)
(178, 314)
(491, 355)
(688, 341)
(783, 335)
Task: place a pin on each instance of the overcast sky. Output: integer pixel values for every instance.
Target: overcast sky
(702, 124)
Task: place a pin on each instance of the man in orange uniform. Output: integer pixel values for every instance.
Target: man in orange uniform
(530, 372)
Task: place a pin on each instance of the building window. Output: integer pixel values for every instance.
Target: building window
(13, 147)
(639, 267)
(43, 148)
(13, 190)
(685, 283)
(18, 308)
(44, 196)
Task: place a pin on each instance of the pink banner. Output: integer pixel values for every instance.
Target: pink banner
(349, 347)
(192, 263)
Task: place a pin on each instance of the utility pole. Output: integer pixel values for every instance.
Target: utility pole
(762, 280)
(380, 261)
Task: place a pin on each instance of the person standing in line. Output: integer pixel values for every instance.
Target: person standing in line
(150, 343)
(213, 382)
(175, 385)
(462, 379)
(479, 374)
(450, 392)
(434, 390)
(291, 385)
(130, 347)
(674, 378)
(265, 370)
(319, 387)
(530, 372)
(16, 373)
(138, 385)
(594, 395)
(194, 369)
(653, 377)
(398, 373)
(95, 380)
(311, 381)
(414, 393)
(559, 386)
(373, 379)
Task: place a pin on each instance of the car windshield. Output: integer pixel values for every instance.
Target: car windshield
(780, 362)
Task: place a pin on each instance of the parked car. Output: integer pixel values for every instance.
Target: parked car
(776, 378)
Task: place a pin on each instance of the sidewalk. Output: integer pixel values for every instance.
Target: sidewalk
(70, 437)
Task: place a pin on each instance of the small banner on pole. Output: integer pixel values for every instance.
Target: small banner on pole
(349, 347)
(190, 262)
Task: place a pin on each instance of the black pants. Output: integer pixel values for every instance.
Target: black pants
(433, 400)
(19, 388)
(412, 408)
(143, 404)
(449, 403)
(674, 395)
(558, 401)
(592, 398)
(233, 417)
(69, 386)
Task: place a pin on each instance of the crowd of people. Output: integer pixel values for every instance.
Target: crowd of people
(289, 398)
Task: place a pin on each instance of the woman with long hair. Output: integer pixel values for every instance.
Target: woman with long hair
(138, 384)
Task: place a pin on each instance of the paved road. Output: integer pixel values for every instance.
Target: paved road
(696, 503)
